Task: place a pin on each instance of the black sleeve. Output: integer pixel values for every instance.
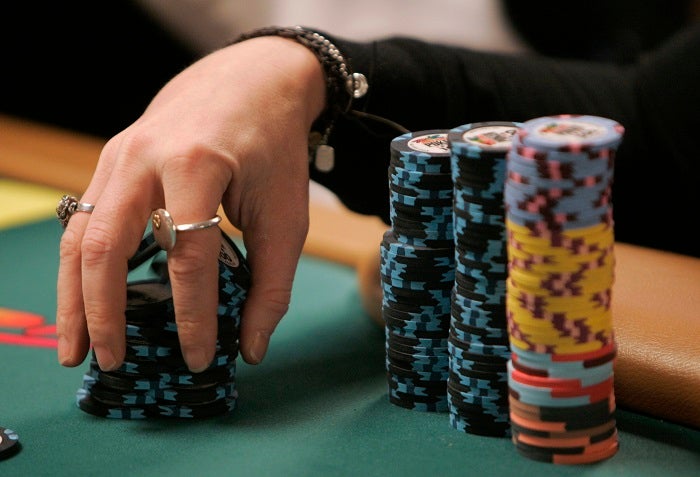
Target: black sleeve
(428, 86)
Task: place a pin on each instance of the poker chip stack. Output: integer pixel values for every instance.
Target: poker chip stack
(561, 264)
(417, 271)
(477, 386)
(154, 380)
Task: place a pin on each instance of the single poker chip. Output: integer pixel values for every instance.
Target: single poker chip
(90, 405)
(493, 429)
(107, 395)
(404, 372)
(196, 396)
(209, 376)
(421, 147)
(571, 132)
(418, 403)
(409, 386)
(9, 443)
(568, 434)
(407, 190)
(476, 410)
(584, 455)
(438, 387)
(484, 138)
(416, 350)
(426, 343)
(221, 407)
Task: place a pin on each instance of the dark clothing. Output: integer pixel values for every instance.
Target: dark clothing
(84, 65)
(426, 86)
(93, 67)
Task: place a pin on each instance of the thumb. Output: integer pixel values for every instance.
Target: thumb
(273, 250)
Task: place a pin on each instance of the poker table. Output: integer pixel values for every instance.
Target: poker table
(317, 405)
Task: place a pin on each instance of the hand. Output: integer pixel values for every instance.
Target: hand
(231, 129)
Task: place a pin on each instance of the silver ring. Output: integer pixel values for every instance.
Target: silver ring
(165, 230)
(69, 205)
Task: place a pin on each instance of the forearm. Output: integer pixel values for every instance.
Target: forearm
(425, 86)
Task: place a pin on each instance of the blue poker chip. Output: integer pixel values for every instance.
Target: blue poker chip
(87, 403)
(489, 430)
(400, 175)
(197, 395)
(571, 132)
(220, 407)
(494, 399)
(418, 403)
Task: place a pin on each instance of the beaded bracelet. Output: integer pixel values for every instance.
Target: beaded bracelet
(342, 86)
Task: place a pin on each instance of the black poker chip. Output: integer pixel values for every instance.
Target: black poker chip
(9, 443)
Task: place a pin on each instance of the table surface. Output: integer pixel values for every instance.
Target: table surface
(318, 404)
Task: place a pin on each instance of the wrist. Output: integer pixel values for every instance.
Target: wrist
(342, 86)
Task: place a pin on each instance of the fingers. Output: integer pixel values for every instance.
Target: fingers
(71, 326)
(193, 262)
(112, 235)
(274, 242)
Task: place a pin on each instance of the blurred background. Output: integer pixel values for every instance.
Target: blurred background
(93, 66)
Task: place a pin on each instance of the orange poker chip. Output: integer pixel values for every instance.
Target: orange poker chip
(563, 384)
(559, 427)
(590, 455)
(586, 441)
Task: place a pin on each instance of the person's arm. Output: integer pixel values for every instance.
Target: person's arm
(426, 86)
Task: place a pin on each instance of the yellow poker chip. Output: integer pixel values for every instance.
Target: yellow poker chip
(558, 349)
(591, 301)
(539, 263)
(564, 243)
(562, 344)
(579, 329)
(557, 283)
(528, 323)
(535, 312)
(576, 249)
(559, 339)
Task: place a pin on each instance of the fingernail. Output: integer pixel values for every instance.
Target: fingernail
(259, 347)
(196, 360)
(105, 359)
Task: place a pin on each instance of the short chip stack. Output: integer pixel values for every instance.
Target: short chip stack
(154, 380)
(417, 271)
(478, 341)
(559, 223)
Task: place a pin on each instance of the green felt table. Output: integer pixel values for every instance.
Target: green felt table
(317, 405)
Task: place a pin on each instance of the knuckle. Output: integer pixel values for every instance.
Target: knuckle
(69, 246)
(277, 300)
(191, 262)
(96, 246)
(99, 326)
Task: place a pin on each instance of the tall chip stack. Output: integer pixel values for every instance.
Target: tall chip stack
(559, 223)
(417, 270)
(477, 385)
(154, 380)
